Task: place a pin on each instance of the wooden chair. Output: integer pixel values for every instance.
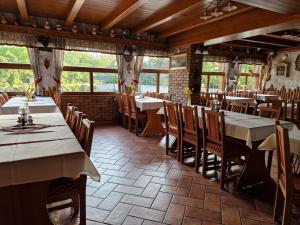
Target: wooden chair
(215, 142)
(126, 109)
(237, 107)
(69, 113)
(75, 120)
(152, 94)
(190, 134)
(73, 189)
(287, 184)
(120, 107)
(294, 115)
(172, 127)
(279, 104)
(158, 95)
(5, 95)
(271, 113)
(2, 100)
(136, 115)
(252, 108)
(167, 97)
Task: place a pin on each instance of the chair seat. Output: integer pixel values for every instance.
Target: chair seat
(173, 129)
(63, 186)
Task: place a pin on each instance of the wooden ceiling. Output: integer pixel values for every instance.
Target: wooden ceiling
(176, 22)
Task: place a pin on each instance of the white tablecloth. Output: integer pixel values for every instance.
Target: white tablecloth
(40, 105)
(241, 100)
(44, 154)
(148, 103)
(294, 135)
(266, 97)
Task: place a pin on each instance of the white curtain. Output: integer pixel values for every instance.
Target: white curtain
(120, 62)
(58, 59)
(33, 54)
(138, 66)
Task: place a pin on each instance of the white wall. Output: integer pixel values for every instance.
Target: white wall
(293, 80)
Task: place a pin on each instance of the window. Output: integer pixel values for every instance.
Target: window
(204, 83)
(90, 59)
(249, 77)
(216, 83)
(13, 79)
(105, 82)
(156, 63)
(213, 67)
(148, 82)
(163, 83)
(75, 81)
(213, 77)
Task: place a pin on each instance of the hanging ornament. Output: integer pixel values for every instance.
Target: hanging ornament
(3, 20)
(94, 31)
(38, 81)
(46, 63)
(75, 28)
(47, 25)
(122, 82)
(56, 80)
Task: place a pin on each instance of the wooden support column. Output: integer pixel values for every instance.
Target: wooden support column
(195, 71)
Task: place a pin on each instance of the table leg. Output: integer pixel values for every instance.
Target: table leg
(154, 125)
(24, 204)
(255, 170)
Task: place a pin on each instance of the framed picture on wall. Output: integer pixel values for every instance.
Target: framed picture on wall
(178, 61)
(282, 69)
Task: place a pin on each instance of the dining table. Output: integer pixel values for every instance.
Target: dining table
(266, 97)
(38, 105)
(30, 159)
(240, 100)
(154, 121)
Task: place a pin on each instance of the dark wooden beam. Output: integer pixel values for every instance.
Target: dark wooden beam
(15, 66)
(166, 14)
(126, 8)
(65, 34)
(77, 4)
(197, 22)
(279, 6)
(271, 41)
(23, 9)
(276, 37)
(248, 24)
(246, 44)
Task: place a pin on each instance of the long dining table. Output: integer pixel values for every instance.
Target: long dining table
(38, 105)
(154, 122)
(30, 159)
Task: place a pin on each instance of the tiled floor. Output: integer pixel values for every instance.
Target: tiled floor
(141, 185)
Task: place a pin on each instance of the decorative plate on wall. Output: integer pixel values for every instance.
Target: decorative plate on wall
(297, 63)
(282, 69)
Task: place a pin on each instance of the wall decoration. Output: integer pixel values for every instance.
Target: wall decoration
(297, 63)
(282, 69)
(178, 61)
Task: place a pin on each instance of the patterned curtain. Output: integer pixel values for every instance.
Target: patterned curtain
(58, 59)
(120, 62)
(33, 54)
(138, 66)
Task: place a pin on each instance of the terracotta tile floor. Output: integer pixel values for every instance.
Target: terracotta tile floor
(141, 185)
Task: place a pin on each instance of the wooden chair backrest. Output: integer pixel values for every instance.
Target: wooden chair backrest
(132, 105)
(75, 119)
(119, 102)
(171, 114)
(2, 100)
(86, 135)
(70, 110)
(237, 107)
(268, 112)
(283, 158)
(189, 118)
(213, 124)
(152, 94)
(6, 97)
(126, 104)
(78, 125)
(252, 108)
(158, 95)
(295, 110)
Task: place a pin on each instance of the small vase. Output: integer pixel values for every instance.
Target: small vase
(189, 102)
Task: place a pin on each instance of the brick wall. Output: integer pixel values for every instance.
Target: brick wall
(101, 108)
(177, 80)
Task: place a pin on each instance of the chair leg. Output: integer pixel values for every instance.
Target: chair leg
(167, 143)
(83, 200)
(287, 210)
(76, 204)
(223, 173)
(204, 164)
(278, 204)
(180, 152)
(197, 157)
(136, 124)
(269, 165)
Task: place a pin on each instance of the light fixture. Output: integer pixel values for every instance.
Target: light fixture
(205, 16)
(126, 52)
(198, 52)
(217, 13)
(230, 7)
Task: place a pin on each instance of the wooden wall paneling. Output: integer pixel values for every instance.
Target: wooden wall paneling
(74, 11)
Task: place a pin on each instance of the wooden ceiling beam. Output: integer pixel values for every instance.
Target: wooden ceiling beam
(166, 14)
(74, 11)
(80, 36)
(197, 22)
(279, 6)
(272, 41)
(23, 9)
(248, 24)
(268, 43)
(126, 8)
(243, 43)
(277, 37)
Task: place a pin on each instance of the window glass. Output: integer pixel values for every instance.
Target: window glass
(164, 83)
(105, 82)
(213, 67)
(246, 68)
(156, 63)
(75, 81)
(204, 83)
(241, 83)
(90, 59)
(216, 83)
(13, 54)
(14, 79)
(148, 82)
